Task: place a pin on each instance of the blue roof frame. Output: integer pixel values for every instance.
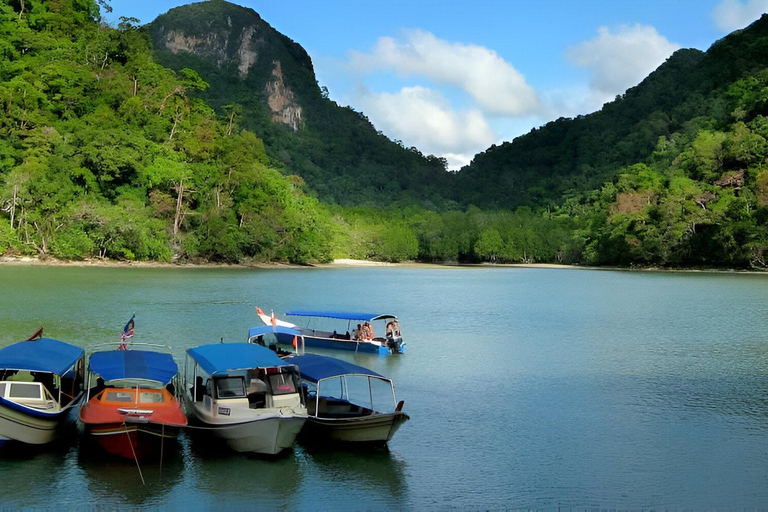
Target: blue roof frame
(341, 315)
(43, 355)
(314, 368)
(134, 364)
(223, 357)
(266, 329)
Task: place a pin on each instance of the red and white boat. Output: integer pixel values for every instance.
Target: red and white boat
(133, 414)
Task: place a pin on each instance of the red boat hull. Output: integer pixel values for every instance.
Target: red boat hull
(134, 441)
(133, 423)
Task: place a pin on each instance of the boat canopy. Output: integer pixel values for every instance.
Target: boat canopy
(342, 315)
(222, 357)
(266, 329)
(43, 355)
(314, 368)
(134, 364)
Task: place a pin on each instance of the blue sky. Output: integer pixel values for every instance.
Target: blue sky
(453, 77)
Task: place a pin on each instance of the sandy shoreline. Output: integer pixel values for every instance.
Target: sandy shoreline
(339, 263)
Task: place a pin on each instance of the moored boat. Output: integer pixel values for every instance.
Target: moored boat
(355, 333)
(347, 403)
(132, 414)
(41, 382)
(245, 395)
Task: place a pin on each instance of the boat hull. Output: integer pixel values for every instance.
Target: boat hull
(21, 424)
(267, 435)
(364, 347)
(133, 441)
(372, 429)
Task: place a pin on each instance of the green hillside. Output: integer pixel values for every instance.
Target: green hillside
(266, 81)
(107, 153)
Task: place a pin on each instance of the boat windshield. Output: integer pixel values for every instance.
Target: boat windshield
(282, 383)
(2, 388)
(26, 390)
(129, 396)
(230, 387)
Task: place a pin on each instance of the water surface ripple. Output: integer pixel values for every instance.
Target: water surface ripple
(527, 388)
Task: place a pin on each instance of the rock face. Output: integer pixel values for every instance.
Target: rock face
(236, 39)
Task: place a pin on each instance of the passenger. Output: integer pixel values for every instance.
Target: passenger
(199, 389)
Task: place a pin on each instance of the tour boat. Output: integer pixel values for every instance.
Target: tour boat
(245, 395)
(132, 413)
(347, 403)
(356, 332)
(41, 382)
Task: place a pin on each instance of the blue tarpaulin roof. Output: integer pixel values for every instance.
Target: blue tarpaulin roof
(43, 355)
(266, 329)
(133, 364)
(343, 315)
(220, 357)
(314, 367)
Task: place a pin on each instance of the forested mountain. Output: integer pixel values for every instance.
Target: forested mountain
(685, 94)
(264, 82)
(107, 153)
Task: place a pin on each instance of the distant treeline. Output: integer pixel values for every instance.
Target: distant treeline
(104, 153)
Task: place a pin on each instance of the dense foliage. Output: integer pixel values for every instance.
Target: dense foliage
(105, 152)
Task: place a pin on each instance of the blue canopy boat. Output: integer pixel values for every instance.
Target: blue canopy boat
(347, 403)
(356, 333)
(41, 381)
(133, 409)
(245, 395)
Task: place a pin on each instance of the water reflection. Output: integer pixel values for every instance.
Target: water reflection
(215, 469)
(115, 480)
(373, 472)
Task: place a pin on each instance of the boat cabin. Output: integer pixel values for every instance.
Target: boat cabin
(30, 394)
(211, 375)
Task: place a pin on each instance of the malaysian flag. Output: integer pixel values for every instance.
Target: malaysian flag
(127, 333)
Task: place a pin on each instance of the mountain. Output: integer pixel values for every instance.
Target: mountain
(263, 81)
(570, 156)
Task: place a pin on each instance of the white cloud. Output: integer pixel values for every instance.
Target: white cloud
(730, 15)
(496, 86)
(620, 59)
(423, 118)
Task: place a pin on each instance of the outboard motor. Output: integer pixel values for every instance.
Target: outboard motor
(395, 344)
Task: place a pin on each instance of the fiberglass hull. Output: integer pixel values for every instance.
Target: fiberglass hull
(28, 425)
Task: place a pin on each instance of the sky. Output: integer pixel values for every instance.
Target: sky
(453, 77)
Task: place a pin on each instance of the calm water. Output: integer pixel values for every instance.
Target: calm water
(526, 388)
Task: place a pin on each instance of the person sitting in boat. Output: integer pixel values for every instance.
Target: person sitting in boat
(393, 329)
(367, 331)
(356, 333)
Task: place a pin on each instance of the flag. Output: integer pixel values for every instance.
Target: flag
(38, 334)
(127, 332)
(273, 319)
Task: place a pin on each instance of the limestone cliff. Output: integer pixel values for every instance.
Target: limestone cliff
(236, 39)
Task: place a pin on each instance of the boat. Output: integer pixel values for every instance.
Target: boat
(245, 395)
(132, 411)
(359, 337)
(347, 403)
(41, 382)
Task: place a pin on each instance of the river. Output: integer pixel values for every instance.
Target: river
(527, 388)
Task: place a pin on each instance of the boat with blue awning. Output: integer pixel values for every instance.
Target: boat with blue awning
(347, 403)
(356, 331)
(245, 395)
(41, 381)
(132, 411)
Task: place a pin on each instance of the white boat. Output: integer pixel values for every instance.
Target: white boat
(245, 395)
(41, 381)
(347, 403)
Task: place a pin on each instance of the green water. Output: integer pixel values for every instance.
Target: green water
(527, 388)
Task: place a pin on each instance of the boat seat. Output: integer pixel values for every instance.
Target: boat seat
(257, 400)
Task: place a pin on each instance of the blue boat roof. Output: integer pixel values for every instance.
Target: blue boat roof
(314, 368)
(43, 355)
(266, 329)
(221, 357)
(134, 364)
(343, 315)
